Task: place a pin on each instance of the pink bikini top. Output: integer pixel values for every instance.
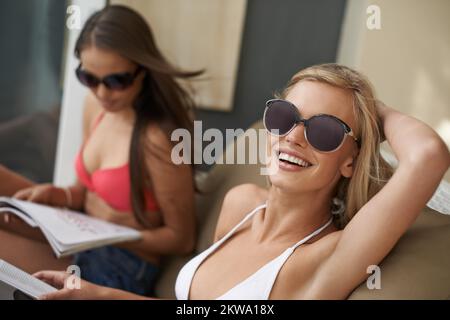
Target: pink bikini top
(111, 184)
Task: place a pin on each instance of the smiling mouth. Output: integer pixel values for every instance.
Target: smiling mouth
(290, 159)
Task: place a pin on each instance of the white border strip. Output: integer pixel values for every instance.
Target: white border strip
(70, 122)
(352, 33)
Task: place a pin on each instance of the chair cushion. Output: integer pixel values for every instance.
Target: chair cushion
(419, 265)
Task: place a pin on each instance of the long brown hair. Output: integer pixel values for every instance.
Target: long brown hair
(162, 100)
(371, 171)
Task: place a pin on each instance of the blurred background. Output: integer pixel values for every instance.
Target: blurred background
(32, 35)
(249, 48)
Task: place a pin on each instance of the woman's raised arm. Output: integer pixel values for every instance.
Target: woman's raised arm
(378, 225)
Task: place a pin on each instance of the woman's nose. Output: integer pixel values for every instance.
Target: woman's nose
(297, 135)
(102, 91)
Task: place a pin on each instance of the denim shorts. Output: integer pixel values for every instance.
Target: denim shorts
(117, 268)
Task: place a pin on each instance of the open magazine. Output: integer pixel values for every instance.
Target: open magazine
(16, 284)
(67, 231)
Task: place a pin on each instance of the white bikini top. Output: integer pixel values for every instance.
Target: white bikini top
(257, 286)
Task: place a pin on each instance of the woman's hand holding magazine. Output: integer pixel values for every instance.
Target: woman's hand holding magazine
(46, 193)
(84, 290)
(69, 286)
(68, 231)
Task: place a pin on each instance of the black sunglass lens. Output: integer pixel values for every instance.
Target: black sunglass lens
(280, 116)
(325, 133)
(87, 79)
(119, 81)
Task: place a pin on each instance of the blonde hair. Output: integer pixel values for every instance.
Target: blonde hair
(371, 171)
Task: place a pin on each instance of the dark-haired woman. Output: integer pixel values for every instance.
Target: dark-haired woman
(125, 173)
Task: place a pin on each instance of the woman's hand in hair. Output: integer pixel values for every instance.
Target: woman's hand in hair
(98, 208)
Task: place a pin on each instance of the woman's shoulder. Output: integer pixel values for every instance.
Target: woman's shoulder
(156, 135)
(237, 203)
(245, 197)
(156, 143)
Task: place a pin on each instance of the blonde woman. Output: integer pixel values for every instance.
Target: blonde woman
(285, 243)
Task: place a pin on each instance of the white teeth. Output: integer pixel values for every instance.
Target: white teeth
(292, 159)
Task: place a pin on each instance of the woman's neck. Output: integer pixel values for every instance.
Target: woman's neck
(289, 217)
(126, 115)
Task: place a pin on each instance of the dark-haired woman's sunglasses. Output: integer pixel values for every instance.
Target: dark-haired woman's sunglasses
(324, 132)
(117, 81)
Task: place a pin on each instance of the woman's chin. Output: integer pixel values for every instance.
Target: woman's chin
(280, 180)
(113, 107)
(289, 177)
(110, 106)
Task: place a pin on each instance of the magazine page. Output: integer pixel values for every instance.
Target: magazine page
(20, 214)
(70, 227)
(8, 206)
(23, 281)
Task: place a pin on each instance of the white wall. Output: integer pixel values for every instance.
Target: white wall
(196, 35)
(352, 33)
(70, 128)
(407, 60)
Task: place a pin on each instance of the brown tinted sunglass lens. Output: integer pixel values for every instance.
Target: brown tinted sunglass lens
(280, 117)
(324, 133)
(87, 79)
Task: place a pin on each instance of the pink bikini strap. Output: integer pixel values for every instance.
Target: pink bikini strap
(94, 126)
(97, 121)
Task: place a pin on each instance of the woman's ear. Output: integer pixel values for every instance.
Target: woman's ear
(141, 75)
(347, 168)
(348, 165)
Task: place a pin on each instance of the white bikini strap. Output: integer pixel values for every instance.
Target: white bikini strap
(248, 216)
(312, 234)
